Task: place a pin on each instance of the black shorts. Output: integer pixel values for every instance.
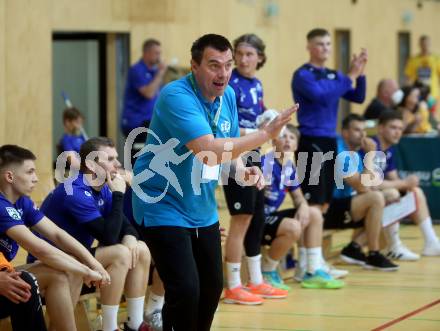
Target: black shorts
(244, 199)
(320, 189)
(338, 215)
(272, 223)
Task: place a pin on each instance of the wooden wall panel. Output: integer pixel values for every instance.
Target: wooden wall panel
(26, 27)
(94, 16)
(28, 83)
(2, 72)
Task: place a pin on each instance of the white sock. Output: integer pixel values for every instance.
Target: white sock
(233, 274)
(109, 317)
(428, 231)
(254, 268)
(392, 234)
(155, 302)
(313, 259)
(302, 258)
(135, 312)
(323, 262)
(269, 264)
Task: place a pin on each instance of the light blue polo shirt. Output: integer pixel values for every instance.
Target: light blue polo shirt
(180, 114)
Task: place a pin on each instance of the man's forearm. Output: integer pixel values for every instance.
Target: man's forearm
(57, 259)
(234, 146)
(71, 246)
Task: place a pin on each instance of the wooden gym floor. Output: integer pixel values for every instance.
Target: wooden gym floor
(408, 299)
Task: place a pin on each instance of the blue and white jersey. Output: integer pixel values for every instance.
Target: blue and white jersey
(22, 212)
(249, 97)
(282, 179)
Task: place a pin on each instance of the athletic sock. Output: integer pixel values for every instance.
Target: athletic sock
(254, 268)
(302, 258)
(135, 312)
(313, 259)
(428, 231)
(269, 264)
(392, 234)
(233, 274)
(155, 302)
(109, 317)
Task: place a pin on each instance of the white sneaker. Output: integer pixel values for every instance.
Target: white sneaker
(402, 253)
(299, 273)
(335, 273)
(431, 249)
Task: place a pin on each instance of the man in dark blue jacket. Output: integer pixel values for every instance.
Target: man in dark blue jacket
(318, 90)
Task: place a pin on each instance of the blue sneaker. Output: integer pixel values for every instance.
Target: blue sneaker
(274, 279)
(321, 280)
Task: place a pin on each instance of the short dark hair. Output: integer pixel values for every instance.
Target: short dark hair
(150, 43)
(388, 116)
(215, 41)
(351, 118)
(423, 37)
(293, 129)
(71, 113)
(317, 32)
(13, 154)
(93, 145)
(254, 41)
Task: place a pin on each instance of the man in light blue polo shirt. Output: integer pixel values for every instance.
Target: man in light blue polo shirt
(193, 130)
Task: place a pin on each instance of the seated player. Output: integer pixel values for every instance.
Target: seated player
(355, 205)
(92, 208)
(60, 276)
(284, 227)
(390, 130)
(20, 296)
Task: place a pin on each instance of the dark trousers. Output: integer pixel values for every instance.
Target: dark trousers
(25, 316)
(189, 263)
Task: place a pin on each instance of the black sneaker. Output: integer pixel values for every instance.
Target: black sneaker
(352, 254)
(377, 261)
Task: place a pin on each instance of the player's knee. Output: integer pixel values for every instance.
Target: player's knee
(315, 216)
(121, 255)
(292, 229)
(239, 224)
(375, 199)
(392, 195)
(144, 253)
(58, 277)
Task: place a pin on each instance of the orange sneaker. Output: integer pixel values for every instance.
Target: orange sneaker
(240, 296)
(265, 290)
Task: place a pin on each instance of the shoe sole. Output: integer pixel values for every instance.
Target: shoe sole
(350, 260)
(246, 303)
(402, 258)
(271, 296)
(339, 276)
(370, 267)
(318, 287)
(430, 254)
